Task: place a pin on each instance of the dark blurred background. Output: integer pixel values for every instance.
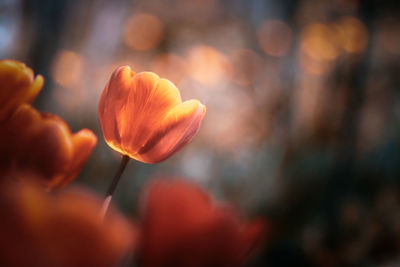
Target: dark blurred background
(303, 108)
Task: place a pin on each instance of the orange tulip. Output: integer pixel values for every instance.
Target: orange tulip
(65, 229)
(17, 86)
(143, 117)
(182, 226)
(42, 145)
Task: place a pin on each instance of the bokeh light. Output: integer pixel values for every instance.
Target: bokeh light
(143, 32)
(67, 68)
(170, 66)
(303, 108)
(207, 65)
(274, 37)
(318, 42)
(352, 35)
(318, 48)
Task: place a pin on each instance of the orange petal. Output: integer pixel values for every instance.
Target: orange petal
(17, 86)
(49, 149)
(42, 145)
(143, 116)
(149, 101)
(14, 129)
(183, 226)
(112, 101)
(83, 143)
(63, 229)
(16, 136)
(176, 130)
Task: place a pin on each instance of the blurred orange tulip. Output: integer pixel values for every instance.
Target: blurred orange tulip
(63, 230)
(142, 116)
(42, 145)
(183, 227)
(17, 86)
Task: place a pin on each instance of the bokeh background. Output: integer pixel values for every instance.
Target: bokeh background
(303, 108)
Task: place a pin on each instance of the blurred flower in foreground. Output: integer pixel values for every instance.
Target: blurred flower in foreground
(142, 116)
(183, 227)
(42, 145)
(64, 229)
(17, 86)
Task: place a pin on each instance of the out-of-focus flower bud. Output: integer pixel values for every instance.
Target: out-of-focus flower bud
(182, 226)
(63, 229)
(17, 86)
(42, 145)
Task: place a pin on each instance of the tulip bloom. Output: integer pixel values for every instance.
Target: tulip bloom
(42, 145)
(182, 226)
(143, 117)
(64, 229)
(17, 86)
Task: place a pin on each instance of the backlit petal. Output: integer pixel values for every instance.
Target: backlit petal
(17, 86)
(147, 105)
(176, 130)
(112, 101)
(143, 116)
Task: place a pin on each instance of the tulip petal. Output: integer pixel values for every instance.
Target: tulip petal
(149, 100)
(176, 130)
(143, 116)
(17, 86)
(42, 145)
(112, 101)
(62, 229)
(83, 143)
(49, 149)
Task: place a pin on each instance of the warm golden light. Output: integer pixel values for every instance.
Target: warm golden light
(274, 37)
(207, 65)
(67, 69)
(143, 32)
(318, 48)
(352, 35)
(318, 42)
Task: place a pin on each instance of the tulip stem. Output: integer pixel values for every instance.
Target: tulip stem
(114, 183)
(117, 176)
